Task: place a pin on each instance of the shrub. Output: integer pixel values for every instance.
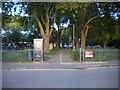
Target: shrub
(75, 55)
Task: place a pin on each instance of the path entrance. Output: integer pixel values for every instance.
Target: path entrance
(62, 56)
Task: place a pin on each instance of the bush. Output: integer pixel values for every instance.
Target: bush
(75, 54)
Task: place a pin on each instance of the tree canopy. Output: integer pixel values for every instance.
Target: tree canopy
(95, 22)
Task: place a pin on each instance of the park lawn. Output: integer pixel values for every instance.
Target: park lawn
(52, 52)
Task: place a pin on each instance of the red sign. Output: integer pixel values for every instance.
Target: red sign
(88, 53)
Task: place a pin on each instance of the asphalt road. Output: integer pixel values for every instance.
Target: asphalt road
(91, 78)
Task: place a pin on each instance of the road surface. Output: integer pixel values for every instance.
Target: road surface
(91, 78)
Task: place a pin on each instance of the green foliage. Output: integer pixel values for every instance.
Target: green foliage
(106, 28)
(66, 35)
(12, 37)
(75, 55)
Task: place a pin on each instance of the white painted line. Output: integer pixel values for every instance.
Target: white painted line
(94, 62)
(35, 69)
(70, 63)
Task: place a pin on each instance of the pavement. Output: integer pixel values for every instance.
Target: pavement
(38, 65)
(62, 56)
(61, 60)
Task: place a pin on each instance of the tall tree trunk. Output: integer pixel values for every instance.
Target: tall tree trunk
(46, 25)
(46, 44)
(83, 40)
(84, 31)
(77, 35)
(83, 36)
(104, 44)
(57, 44)
(76, 43)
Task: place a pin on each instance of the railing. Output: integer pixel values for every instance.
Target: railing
(27, 55)
(17, 55)
(98, 54)
(104, 54)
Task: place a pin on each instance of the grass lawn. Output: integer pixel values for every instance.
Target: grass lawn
(52, 52)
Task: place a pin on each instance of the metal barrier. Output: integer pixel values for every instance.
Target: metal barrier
(98, 54)
(107, 54)
(17, 55)
(27, 55)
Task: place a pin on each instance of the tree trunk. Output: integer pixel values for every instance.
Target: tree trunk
(83, 40)
(76, 44)
(77, 34)
(104, 44)
(46, 44)
(57, 44)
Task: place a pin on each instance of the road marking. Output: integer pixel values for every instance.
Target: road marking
(35, 69)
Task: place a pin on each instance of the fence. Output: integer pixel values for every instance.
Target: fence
(104, 54)
(98, 54)
(27, 55)
(17, 55)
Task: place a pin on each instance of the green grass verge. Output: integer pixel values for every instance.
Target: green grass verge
(52, 52)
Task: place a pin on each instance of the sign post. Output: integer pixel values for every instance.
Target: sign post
(83, 54)
(38, 49)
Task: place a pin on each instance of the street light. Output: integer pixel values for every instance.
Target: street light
(73, 35)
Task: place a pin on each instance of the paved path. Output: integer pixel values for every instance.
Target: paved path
(62, 56)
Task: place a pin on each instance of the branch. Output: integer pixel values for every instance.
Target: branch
(90, 20)
(87, 28)
(51, 30)
(39, 24)
(53, 22)
(42, 18)
(53, 36)
(53, 7)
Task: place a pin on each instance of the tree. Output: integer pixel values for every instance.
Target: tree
(60, 21)
(106, 26)
(45, 14)
(82, 15)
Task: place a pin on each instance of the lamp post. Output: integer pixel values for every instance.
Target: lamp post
(73, 36)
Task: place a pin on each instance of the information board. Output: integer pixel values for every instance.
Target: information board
(88, 53)
(38, 49)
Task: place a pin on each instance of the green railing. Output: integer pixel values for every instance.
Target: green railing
(27, 55)
(104, 54)
(98, 54)
(16, 55)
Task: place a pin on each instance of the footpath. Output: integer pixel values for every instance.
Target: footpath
(62, 56)
(62, 60)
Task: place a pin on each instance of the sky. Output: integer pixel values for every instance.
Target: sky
(0, 10)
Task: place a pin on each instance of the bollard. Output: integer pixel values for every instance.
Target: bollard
(60, 58)
(80, 54)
